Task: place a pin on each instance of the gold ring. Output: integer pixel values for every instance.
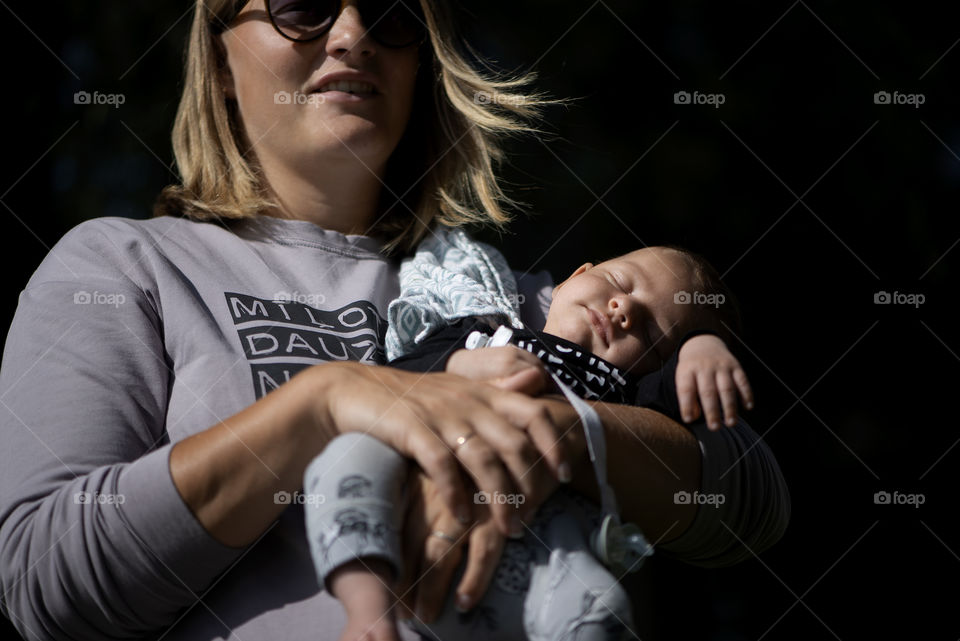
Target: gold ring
(443, 535)
(463, 439)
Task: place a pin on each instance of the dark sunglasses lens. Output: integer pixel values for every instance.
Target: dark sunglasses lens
(303, 19)
(394, 23)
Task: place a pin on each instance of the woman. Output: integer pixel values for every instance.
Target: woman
(166, 382)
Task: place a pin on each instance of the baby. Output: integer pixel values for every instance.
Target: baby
(644, 329)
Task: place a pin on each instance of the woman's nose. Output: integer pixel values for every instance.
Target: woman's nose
(348, 35)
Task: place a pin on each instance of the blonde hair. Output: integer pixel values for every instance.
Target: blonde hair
(442, 169)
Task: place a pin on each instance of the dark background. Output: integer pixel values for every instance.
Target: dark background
(807, 195)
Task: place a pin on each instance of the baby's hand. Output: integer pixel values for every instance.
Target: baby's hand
(507, 367)
(364, 588)
(707, 369)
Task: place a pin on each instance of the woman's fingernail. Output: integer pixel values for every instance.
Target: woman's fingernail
(463, 603)
(564, 473)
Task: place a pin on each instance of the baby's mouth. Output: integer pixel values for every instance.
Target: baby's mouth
(600, 327)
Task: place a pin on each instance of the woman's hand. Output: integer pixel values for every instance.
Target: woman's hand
(413, 412)
(507, 367)
(431, 561)
(513, 445)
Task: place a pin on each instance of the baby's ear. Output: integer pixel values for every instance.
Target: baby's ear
(582, 268)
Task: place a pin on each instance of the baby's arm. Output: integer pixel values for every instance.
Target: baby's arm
(353, 503)
(706, 369)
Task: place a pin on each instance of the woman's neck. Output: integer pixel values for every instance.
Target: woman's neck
(341, 198)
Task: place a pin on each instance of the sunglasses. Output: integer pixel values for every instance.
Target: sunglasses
(392, 23)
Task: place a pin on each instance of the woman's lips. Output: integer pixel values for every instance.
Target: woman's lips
(342, 96)
(601, 325)
(346, 85)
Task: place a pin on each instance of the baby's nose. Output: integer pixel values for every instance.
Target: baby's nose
(622, 312)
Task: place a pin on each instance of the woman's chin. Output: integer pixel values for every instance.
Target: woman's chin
(359, 136)
(346, 150)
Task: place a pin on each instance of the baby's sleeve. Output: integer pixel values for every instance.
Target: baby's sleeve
(354, 503)
(658, 390)
(432, 354)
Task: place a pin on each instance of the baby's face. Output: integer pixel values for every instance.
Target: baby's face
(623, 310)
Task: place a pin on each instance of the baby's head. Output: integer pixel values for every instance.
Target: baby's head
(633, 310)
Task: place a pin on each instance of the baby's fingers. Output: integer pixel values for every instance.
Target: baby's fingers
(687, 395)
(728, 397)
(746, 392)
(709, 398)
(531, 381)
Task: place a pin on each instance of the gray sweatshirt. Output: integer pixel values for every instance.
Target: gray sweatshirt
(133, 335)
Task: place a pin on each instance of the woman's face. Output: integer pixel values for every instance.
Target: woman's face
(294, 105)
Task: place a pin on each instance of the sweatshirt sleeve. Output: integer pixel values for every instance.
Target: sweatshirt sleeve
(746, 506)
(744, 502)
(95, 540)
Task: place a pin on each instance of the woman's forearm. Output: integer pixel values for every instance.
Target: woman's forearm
(649, 459)
(230, 473)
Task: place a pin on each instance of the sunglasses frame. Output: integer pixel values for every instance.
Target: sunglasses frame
(343, 3)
